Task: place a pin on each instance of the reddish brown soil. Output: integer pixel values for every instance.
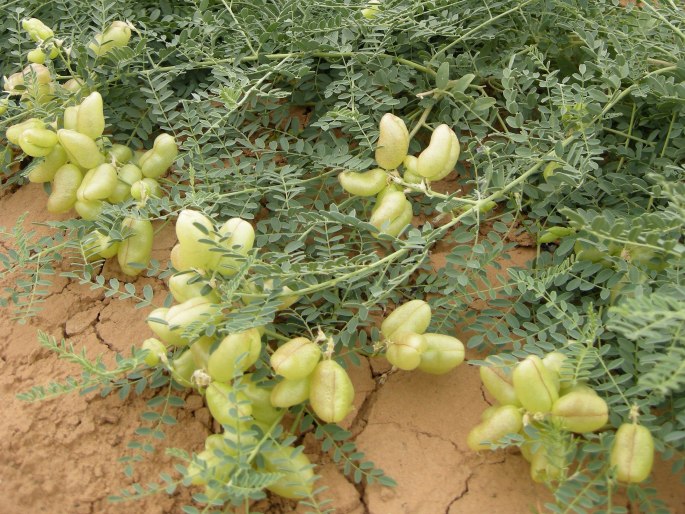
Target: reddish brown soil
(61, 456)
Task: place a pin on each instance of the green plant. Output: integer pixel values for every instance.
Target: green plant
(567, 131)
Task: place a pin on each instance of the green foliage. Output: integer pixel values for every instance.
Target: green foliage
(569, 115)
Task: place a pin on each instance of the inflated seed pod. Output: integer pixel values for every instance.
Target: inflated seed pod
(179, 259)
(127, 175)
(146, 188)
(208, 465)
(554, 361)
(498, 382)
(393, 142)
(45, 170)
(368, 183)
(36, 56)
(546, 467)
(632, 453)
(99, 245)
(504, 420)
(290, 392)
(191, 227)
(412, 316)
(155, 350)
(226, 405)
(535, 388)
(98, 183)
(70, 117)
(331, 392)
(157, 322)
(135, 251)
(64, 186)
(90, 118)
(451, 160)
(581, 387)
(442, 354)
(37, 30)
(156, 161)
(185, 285)
(296, 358)
(488, 412)
(436, 156)
(119, 154)
(395, 226)
(89, 209)
(37, 142)
(198, 310)
(201, 349)
(235, 354)
(581, 412)
(81, 149)
(182, 369)
(237, 236)
(13, 133)
(260, 398)
(117, 35)
(388, 208)
(410, 174)
(297, 477)
(404, 350)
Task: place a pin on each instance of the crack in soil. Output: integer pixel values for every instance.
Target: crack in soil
(463, 493)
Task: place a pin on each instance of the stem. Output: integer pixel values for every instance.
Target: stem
(484, 24)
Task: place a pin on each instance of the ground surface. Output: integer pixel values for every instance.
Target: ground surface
(60, 456)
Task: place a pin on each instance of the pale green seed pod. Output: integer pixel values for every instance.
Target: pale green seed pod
(395, 226)
(156, 161)
(387, 209)
(442, 354)
(81, 149)
(182, 369)
(64, 186)
(99, 246)
(499, 384)
(451, 160)
(98, 183)
(297, 478)
(237, 236)
(156, 320)
(14, 132)
(412, 316)
(226, 405)
(196, 310)
(127, 175)
(90, 117)
(632, 453)
(36, 56)
(368, 183)
(146, 188)
(117, 35)
(504, 420)
(393, 142)
(190, 284)
(120, 154)
(37, 30)
(290, 392)
(70, 117)
(89, 209)
(581, 412)
(37, 142)
(191, 227)
(436, 156)
(404, 350)
(260, 398)
(46, 169)
(331, 392)
(535, 388)
(296, 358)
(235, 354)
(545, 468)
(137, 247)
(155, 349)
